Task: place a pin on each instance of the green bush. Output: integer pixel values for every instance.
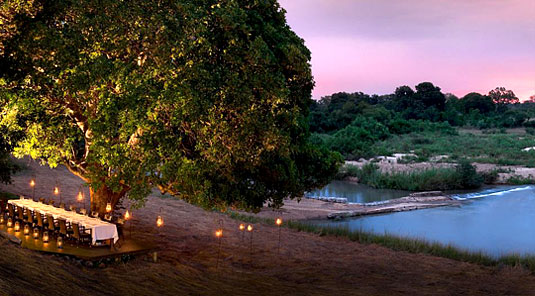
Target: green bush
(463, 176)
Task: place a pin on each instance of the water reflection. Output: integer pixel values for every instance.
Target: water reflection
(497, 222)
(357, 193)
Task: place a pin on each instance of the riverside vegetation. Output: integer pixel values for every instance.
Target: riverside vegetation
(430, 125)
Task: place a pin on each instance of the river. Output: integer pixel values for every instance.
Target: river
(497, 221)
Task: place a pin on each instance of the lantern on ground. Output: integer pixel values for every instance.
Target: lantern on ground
(279, 224)
(17, 226)
(60, 242)
(159, 220)
(2, 219)
(26, 229)
(36, 233)
(108, 207)
(278, 221)
(9, 223)
(45, 237)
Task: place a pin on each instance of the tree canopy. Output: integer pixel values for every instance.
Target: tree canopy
(207, 100)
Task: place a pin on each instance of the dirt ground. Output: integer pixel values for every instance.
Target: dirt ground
(306, 265)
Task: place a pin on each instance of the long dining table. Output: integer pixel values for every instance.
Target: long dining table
(100, 230)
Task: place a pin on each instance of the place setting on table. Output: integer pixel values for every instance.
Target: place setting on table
(100, 230)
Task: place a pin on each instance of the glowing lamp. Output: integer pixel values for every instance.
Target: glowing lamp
(2, 219)
(17, 226)
(278, 221)
(60, 242)
(159, 221)
(219, 233)
(35, 233)
(80, 197)
(241, 227)
(108, 207)
(9, 223)
(56, 190)
(127, 215)
(45, 237)
(249, 228)
(32, 182)
(26, 229)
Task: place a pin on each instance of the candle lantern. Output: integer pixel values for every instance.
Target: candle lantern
(278, 221)
(219, 233)
(9, 223)
(127, 215)
(80, 196)
(56, 190)
(2, 219)
(26, 229)
(45, 237)
(36, 233)
(108, 207)
(249, 228)
(242, 227)
(32, 182)
(60, 242)
(159, 221)
(17, 226)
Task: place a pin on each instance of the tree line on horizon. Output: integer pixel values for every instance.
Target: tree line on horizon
(351, 122)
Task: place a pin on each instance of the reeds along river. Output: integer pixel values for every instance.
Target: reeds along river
(497, 221)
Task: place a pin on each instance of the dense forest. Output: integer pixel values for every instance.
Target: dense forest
(351, 123)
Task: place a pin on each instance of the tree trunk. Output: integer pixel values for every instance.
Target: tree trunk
(102, 196)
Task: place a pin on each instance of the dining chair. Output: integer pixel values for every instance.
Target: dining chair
(20, 211)
(63, 231)
(39, 219)
(72, 208)
(51, 202)
(30, 219)
(83, 211)
(80, 236)
(42, 200)
(11, 210)
(62, 205)
(50, 222)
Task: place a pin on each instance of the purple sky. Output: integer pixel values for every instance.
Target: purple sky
(374, 46)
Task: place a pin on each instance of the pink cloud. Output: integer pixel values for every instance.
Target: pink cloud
(375, 46)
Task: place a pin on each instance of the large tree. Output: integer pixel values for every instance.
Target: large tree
(207, 100)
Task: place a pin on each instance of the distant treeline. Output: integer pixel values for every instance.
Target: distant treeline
(351, 122)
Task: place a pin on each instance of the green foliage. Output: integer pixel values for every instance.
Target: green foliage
(497, 148)
(207, 100)
(463, 176)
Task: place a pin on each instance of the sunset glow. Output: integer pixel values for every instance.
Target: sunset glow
(375, 46)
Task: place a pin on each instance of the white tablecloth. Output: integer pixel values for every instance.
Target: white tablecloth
(100, 230)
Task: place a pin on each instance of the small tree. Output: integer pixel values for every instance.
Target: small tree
(503, 97)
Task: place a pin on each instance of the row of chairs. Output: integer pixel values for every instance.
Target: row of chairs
(59, 227)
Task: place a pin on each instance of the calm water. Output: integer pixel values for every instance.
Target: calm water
(358, 193)
(497, 221)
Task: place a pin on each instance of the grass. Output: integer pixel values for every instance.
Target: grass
(498, 148)
(411, 245)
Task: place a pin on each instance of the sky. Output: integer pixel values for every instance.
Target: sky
(374, 46)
